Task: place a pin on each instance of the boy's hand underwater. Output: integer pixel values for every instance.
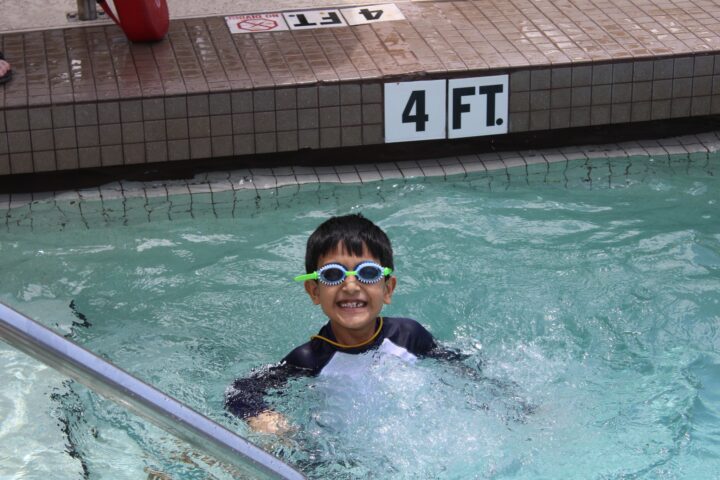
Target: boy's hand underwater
(269, 422)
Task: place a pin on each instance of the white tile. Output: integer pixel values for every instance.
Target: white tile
(329, 177)
(412, 172)
(284, 180)
(456, 169)
(433, 171)
(199, 188)
(370, 176)
(262, 182)
(305, 178)
(492, 165)
(349, 177)
(391, 174)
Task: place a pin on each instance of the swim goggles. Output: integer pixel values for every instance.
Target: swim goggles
(334, 274)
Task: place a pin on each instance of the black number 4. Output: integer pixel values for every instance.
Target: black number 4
(417, 100)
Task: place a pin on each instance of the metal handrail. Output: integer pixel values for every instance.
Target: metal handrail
(159, 408)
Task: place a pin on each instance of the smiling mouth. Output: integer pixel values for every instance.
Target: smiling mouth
(352, 304)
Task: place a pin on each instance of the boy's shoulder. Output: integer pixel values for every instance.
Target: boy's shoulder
(408, 333)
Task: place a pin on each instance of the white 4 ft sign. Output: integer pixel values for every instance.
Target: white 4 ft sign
(436, 109)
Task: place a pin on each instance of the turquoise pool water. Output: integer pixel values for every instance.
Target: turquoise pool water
(586, 296)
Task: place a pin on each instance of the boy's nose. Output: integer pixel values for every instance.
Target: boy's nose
(350, 282)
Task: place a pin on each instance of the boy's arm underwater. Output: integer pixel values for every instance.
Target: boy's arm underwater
(246, 397)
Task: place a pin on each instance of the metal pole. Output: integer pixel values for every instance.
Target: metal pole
(110, 381)
(87, 9)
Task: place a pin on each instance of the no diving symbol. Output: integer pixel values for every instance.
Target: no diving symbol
(257, 24)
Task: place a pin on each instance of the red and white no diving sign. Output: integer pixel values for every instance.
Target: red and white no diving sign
(255, 23)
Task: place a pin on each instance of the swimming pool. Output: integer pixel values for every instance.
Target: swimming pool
(586, 294)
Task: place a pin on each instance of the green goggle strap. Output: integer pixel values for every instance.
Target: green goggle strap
(314, 275)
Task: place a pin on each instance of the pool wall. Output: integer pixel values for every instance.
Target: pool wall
(85, 98)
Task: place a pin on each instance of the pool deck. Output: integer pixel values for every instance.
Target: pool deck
(86, 98)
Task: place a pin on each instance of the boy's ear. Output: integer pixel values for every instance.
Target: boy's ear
(390, 285)
(311, 287)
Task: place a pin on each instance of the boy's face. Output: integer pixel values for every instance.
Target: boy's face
(352, 306)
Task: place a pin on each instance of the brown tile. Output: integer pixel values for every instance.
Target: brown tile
(703, 65)
(519, 81)
(581, 96)
(329, 95)
(702, 86)
(199, 127)
(330, 137)
(88, 136)
(351, 115)
(134, 153)
(264, 100)
(560, 97)
(21, 163)
(286, 120)
(198, 106)
(350, 94)
(620, 113)
(44, 161)
(132, 132)
(539, 79)
(329, 117)
(177, 129)
(65, 138)
(243, 123)
(89, 157)
(519, 122)
(307, 97)
(560, 118)
(540, 120)
(660, 109)
(309, 138)
(67, 159)
(699, 106)
(600, 115)
(561, 77)
(682, 87)
(243, 144)
(63, 116)
(351, 136)
(156, 152)
(308, 118)
(5, 165)
(86, 114)
(111, 155)
(241, 102)
(155, 130)
(40, 118)
(287, 141)
(265, 143)
(580, 116)
(621, 93)
(643, 71)
(178, 149)
(131, 111)
(372, 93)
(519, 102)
(662, 89)
(678, 107)
(539, 100)
(622, 72)
(683, 67)
(663, 69)
(602, 74)
(581, 76)
(640, 111)
(264, 122)
(17, 120)
(220, 104)
(641, 91)
(176, 107)
(3, 144)
(42, 140)
(222, 146)
(200, 148)
(108, 112)
(153, 109)
(286, 99)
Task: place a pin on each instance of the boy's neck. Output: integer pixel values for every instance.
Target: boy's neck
(354, 337)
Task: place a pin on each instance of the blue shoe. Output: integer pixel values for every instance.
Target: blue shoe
(8, 75)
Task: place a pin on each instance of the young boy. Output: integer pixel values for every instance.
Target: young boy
(349, 264)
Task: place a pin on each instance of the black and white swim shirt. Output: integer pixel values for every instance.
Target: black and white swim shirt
(402, 337)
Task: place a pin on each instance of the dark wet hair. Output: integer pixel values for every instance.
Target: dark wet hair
(352, 232)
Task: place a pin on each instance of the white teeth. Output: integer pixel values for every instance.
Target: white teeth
(352, 304)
